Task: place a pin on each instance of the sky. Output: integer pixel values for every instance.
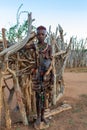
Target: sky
(70, 14)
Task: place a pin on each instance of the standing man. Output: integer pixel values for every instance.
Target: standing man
(40, 82)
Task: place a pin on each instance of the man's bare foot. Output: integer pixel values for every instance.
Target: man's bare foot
(41, 124)
(37, 123)
(45, 121)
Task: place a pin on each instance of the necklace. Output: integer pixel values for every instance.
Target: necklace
(42, 47)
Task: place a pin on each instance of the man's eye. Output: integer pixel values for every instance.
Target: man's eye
(42, 34)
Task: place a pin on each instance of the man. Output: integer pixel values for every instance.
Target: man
(40, 85)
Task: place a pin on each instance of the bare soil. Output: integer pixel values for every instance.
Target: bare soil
(76, 95)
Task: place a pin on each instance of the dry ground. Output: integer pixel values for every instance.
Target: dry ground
(75, 95)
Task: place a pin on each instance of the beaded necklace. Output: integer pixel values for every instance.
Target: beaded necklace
(42, 47)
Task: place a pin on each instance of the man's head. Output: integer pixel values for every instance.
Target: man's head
(41, 33)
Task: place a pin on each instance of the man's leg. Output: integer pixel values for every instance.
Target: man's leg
(38, 120)
(43, 119)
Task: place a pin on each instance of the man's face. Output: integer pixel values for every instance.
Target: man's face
(41, 34)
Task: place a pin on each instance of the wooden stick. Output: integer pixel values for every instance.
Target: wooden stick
(7, 113)
(4, 38)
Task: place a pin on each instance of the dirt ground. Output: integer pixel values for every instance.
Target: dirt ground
(76, 95)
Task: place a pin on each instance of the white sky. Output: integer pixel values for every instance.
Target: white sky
(70, 14)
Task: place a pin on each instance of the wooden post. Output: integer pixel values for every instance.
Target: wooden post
(4, 39)
(1, 77)
(7, 113)
(47, 102)
(54, 71)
